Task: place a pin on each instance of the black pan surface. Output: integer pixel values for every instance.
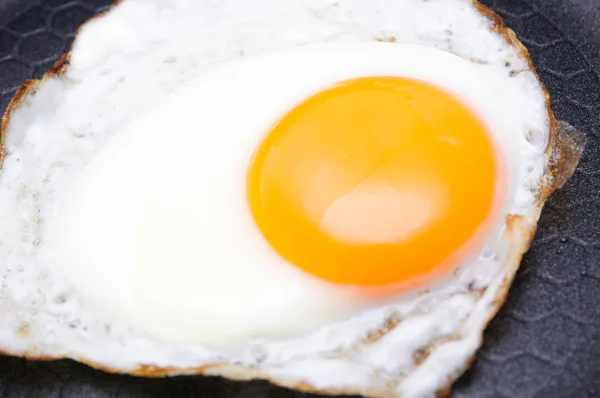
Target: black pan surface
(545, 343)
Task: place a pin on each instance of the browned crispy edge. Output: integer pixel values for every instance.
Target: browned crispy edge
(58, 69)
(513, 221)
(61, 66)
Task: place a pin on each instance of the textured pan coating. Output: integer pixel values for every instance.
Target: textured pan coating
(564, 150)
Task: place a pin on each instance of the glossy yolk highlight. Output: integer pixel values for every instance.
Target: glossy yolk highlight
(375, 181)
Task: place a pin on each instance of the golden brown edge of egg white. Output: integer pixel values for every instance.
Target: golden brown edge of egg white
(564, 150)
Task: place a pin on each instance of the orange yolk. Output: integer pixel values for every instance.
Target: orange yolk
(376, 181)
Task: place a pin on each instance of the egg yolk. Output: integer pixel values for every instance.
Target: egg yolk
(375, 181)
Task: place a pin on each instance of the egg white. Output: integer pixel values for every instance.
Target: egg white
(123, 64)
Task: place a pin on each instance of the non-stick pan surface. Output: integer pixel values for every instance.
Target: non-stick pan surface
(545, 343)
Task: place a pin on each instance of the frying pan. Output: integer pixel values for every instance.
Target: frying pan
(544, 343)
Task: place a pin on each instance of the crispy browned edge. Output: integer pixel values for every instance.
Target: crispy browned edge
(61, 66)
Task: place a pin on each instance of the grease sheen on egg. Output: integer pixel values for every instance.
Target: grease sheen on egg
(168, 230)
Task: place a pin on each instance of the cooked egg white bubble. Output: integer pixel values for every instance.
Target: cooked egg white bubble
(156, 230)
(126, 234)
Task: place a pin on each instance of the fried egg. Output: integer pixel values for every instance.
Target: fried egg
(333, 196)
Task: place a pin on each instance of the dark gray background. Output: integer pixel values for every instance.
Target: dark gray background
(545, 343)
